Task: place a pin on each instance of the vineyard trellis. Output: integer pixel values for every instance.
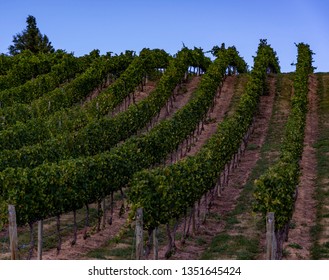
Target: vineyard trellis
(167, 193)
(29, 242)
(59, 156)
(277, 189)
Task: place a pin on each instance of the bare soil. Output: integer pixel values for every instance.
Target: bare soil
(304, 215)
(138, 96)
(82, 246)
(217, 115)
(180, 98)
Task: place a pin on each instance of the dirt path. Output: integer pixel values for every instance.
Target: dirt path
(320, 249)
(98, 90)
(303, 219)
(138, 96)
(217, 115)
(223, 106)
(223, 205)
(180, 99)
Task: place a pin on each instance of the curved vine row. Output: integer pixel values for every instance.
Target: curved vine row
(51, 189)
(167, 193)
(37, 129)
(49, 183)
(26, 66)
(95, 75)
(66, 121)
(60, 73)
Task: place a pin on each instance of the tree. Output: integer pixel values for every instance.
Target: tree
(30, 39)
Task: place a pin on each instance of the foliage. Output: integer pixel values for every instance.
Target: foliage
(70, 184)
(276, 188)
(26, 66)
(66, 69)
(31, 39)
(6, 63)
(167, 193)
(238, 63)
(65, 121)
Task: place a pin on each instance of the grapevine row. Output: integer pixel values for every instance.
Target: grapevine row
(96, 75)
(51, 189)
(54, 188)
(276, 188)
(97, 136)
(26, 66)
(67, 120)
(40, 129)
(167, 193)
(66, 69)
(60, 73)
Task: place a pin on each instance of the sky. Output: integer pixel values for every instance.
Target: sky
(109, 25)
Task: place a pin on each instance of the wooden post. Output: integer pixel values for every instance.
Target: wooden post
(270, 237)
(155, 244)
(13, 232)
(40, 241)
(139, 234)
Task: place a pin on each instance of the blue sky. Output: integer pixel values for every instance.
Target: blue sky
(81, 26)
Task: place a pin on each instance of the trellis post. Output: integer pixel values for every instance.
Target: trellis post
(13, 232)
(139, 234)
(40, 240)
(270, 237)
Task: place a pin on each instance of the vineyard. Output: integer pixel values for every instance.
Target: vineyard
(159, 156)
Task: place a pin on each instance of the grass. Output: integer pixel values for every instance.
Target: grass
(292, 225)
(119, 247)
(320, 248)
(239, 88)
(295, 245)
(200, 241)
(252, 147)
(123, 245)
(227, 246)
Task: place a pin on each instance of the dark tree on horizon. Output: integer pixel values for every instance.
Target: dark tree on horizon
(30, 39)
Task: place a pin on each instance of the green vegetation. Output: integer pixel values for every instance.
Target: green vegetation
(320, 249)
(63, 148)
(275, 189)
(31, 39)
(167, 193)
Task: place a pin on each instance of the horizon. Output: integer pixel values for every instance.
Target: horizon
(82, 26)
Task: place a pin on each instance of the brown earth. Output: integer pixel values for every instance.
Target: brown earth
(180, 98)
(138, 96)
(220, 110)
(304, 215)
